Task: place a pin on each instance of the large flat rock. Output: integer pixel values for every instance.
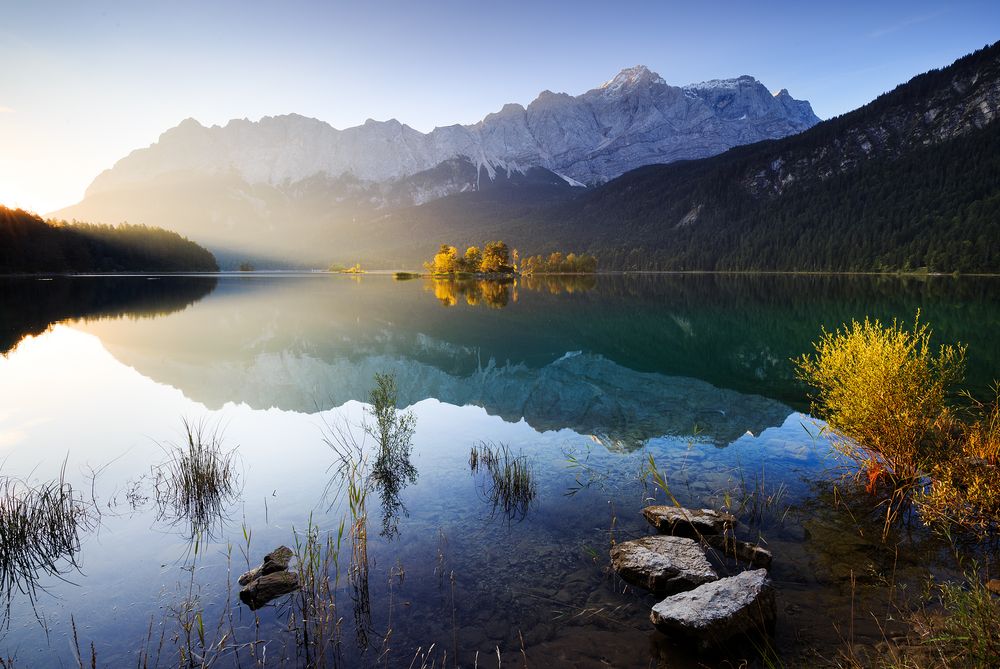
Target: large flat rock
(663, 564)
(683, 522)
(717, 611)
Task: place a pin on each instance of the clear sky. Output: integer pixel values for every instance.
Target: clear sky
(84, 82)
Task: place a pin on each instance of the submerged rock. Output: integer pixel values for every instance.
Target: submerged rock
(276, 560)
(993, 585)
(753, 554)
(663, 564)
(265, 588)
(271, 579)
(715, 612)
(679, 521)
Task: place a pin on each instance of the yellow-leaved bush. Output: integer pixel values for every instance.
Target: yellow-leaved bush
(884, 392)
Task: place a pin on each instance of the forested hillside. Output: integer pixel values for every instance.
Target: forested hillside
(938, 207)
(31, 245)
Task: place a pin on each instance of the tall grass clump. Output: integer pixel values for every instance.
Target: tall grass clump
(314, 619)
(964, 489)
(968, 633)
(509, 483)
(40, 528)
(886, 394)
(954, 628)
(198, 479)
(356, 474)
(393, 431)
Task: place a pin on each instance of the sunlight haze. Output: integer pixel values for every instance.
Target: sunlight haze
(83, 84)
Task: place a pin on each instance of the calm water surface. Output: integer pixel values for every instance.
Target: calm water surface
(587, 377)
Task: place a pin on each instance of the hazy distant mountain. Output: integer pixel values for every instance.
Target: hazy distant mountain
(249, 186)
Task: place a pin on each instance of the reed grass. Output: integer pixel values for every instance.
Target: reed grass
(40, 527)
(509, 482)
(198, 480)
(754, 502)
(315, 620)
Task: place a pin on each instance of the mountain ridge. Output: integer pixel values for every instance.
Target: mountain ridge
(555, 131)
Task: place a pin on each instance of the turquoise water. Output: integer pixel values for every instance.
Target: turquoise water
(586, 377)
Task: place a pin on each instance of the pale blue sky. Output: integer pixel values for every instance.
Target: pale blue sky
(83, 83)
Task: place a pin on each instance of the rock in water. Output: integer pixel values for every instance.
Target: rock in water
(271, 579)
(276, 560)
(679, 521)
(265, 588)
(663, 564)
(753, 554)
(715, 612)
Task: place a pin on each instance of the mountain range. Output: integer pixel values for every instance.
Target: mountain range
(909, 181)
(715, 176)
(288, 185)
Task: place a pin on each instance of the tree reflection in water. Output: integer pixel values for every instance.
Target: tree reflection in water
(497, 293)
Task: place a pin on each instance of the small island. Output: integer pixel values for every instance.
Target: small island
(497, 259)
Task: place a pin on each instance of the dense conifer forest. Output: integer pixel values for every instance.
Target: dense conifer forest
(936, 208)
(30, 245)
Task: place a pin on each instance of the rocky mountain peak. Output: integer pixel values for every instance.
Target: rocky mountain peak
(630, 77)
(632, 120)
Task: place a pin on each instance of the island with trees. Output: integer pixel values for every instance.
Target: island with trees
(496, 258)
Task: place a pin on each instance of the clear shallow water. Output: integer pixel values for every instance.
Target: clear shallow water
(692, 370)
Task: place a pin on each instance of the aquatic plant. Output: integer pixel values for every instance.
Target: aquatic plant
(40, 528)
(198, 480)
(392, 432)
(967, 634)
(953, 625)
(509, 483)
(756, 503)
(314, 620)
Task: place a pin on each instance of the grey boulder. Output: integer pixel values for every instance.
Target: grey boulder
(663, 564)
(717, 611)
(271, 579)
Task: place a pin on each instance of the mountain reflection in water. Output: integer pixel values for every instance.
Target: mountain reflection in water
(676, 364)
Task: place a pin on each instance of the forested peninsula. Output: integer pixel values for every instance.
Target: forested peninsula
(31, 245)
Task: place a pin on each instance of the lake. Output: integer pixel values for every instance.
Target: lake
(585, 378)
